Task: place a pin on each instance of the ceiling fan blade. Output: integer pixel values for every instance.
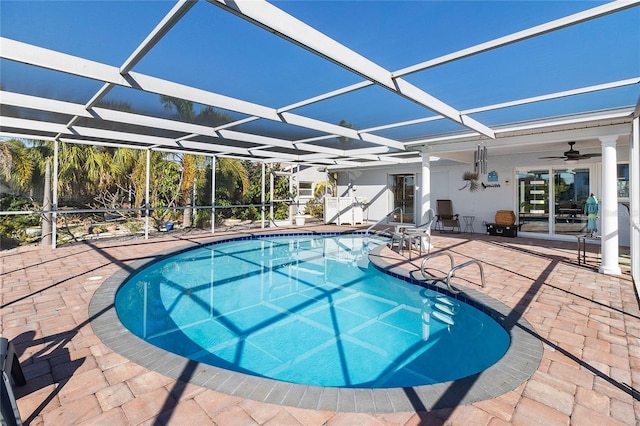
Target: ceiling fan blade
(571, 155)
(590, 155)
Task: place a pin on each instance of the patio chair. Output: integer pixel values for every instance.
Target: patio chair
(418, 236)
(446, 218)
(9, 414)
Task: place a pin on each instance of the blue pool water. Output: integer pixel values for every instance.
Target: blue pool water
(308, 310)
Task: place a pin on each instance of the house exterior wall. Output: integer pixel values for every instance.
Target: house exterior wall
(372, 185)
(308, 174)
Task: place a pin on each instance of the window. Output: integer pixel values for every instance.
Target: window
(623, 181)
(306, 189)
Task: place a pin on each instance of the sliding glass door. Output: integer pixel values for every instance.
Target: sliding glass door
(533, 201)
(552, 201)
(571, 190)
(403, 189)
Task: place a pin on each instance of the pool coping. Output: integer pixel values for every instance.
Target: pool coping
(520, 361)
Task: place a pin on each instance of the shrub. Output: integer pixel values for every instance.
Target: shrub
(314, 208)
(12, 228)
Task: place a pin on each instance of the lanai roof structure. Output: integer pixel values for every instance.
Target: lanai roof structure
(337, 84)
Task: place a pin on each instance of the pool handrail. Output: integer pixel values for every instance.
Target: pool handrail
(452, 271)
(432, 255)
(384, 218)
(460, 266)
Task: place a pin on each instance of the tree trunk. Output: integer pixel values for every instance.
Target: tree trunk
(186, 213)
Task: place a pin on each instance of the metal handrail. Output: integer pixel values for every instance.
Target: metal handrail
(385, 217)
(462, 265)
(453, 269)
(429, 256)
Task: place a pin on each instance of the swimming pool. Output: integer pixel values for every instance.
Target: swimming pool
(307, 309)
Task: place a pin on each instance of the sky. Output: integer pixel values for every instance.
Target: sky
(217, 51)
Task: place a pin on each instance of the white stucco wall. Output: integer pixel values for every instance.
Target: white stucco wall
(445, 184)
(309, 174)
(446, 181)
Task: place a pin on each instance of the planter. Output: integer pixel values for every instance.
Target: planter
(33, 232)
(505, 217)
(300, 220)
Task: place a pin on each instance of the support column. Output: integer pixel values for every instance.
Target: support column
(262, 196)
(46, 218)
(609, 207)
(213, 194)
(54, 192)
(425, 184)
(634, 198)
(146, 195)
(271, 179)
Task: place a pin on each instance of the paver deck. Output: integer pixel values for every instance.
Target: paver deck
(588, 323)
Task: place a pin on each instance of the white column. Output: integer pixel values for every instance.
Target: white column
(54, 220)
(262, 196)
(213, 194)
(146, 194)
(425, 184)
(271, 181)
(609, 207)
(47, 217)
(634, 198)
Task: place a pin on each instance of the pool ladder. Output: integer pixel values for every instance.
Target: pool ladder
(452, 271)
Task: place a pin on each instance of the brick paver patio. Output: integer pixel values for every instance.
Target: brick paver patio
(589, 325)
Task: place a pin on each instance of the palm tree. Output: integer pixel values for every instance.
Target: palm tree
(84, 170)
(24, 168)
(344, 141)
(130, 171)
(19, 164)
(191, 166)
(6, 162)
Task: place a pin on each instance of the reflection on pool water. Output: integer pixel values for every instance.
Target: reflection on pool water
(308, 310)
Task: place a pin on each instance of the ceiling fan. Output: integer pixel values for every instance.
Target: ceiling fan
(573, 155)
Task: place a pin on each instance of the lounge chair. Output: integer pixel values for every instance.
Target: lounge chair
(446, 218)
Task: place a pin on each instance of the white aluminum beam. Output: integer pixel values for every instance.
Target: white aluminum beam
(534, 134)
(38, 126)
(596, 12)
(568, 121)
(556, 95)
(236, 123)
(473, 50)
(45, 58)
(120, 137)
(327, 95)
(518, 102)
(99, 95)
(175, 14)
(404, 123)
(286, 26)
(77, 110)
